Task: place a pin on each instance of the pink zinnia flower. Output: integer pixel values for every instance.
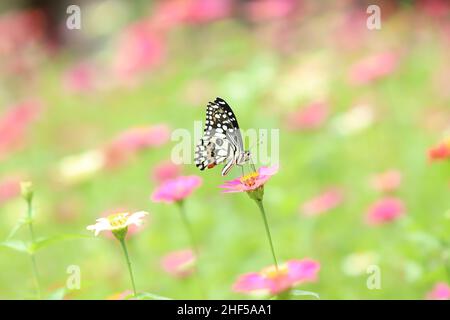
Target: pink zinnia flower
(80, 78)
(250, 182)
(441, 291)
(434, 8)
(9, 188)
(385, 210)
(165, 170)
(309, 117)
(201, 11)
(262, 10)
(440, 151)
(324, 202)
(177, 189)
(373, 68)
(21, 38)
(131, 141)
(387, 181)
(272, 281)
(14, 124)
(179, 264)
(135, 139)
(139, 50)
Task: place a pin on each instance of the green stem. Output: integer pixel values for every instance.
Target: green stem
(130, 270)
(32, 256)
(194, 245)
(266, 224)
(188, 227)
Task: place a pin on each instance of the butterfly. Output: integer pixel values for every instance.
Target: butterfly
(222, 139)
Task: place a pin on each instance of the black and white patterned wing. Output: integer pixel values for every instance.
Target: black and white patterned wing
(223, 120)
(221, 139)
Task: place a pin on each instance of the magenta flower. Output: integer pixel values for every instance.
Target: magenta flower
(179, 264)
(250, 182)
(373, 67)
(165, 170)
(324, 202)
(387, 181)
(308, 118)
(274, 281)
(441, 291)
(385, 210)
(253, 185)
(175, 190)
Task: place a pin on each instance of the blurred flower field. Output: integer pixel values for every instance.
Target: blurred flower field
(362, 183)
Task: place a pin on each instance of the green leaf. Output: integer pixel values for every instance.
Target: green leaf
(58, 294)
(47, 241)
(16, 245)
(149, 296)
(297, 293)
(19, 224)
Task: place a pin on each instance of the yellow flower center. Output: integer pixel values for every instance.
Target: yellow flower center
(250, 179)
(118, 220)
(272, 272)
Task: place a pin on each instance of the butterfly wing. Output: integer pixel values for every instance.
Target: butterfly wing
(221, 139)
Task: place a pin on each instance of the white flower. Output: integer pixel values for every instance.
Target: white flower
(78, 168)
(117, 221)
(355, 120)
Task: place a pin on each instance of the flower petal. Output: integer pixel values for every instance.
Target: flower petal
(250, 282)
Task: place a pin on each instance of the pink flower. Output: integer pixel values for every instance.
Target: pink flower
(170, 13)
(261, 10)
(140, 49)
(133, 140)
(9, 188)
(21, 36)
(166, 170)
(309, 117)
(14, 124)
(441, 291)
(179, 264)
(385, 210)
(177, 189)
(19, 30)
(387, 181)
(272, 281)
(373, 68)
(201, 11)
(250, 181)
(324, 202)
(434, 8)
(80, 78)
(440, 151)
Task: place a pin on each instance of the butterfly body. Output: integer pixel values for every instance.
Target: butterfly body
(222, 139)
